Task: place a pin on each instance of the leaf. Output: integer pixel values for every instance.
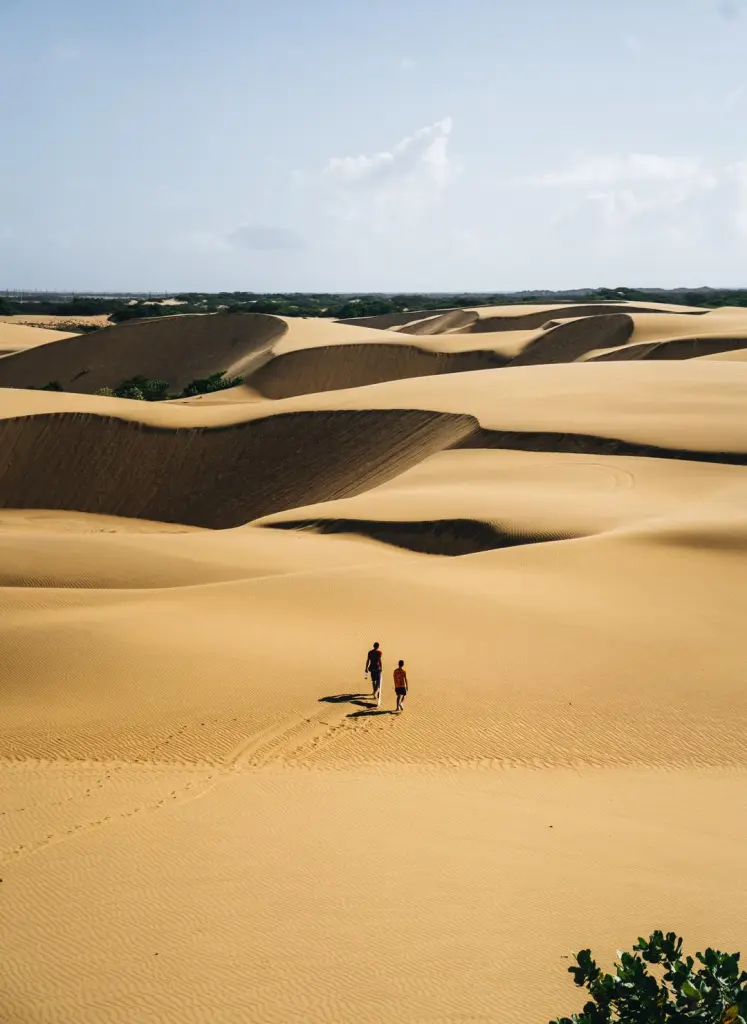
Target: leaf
(689, 990)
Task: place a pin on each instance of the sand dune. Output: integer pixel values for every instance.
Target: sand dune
(178, 349)
(524, 316)
(221, 465)
(19, 337)
(62, 320)
(203, 815)
(456, 502)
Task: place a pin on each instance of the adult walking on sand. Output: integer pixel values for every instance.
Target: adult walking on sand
(400, 685)
(373, 665)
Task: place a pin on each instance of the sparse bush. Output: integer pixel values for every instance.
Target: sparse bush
(151, 390)
(206, 385)
(715, 993)
(146, 389)
(77, 327)
(130, 392)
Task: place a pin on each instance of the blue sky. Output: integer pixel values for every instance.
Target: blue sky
(367, 145)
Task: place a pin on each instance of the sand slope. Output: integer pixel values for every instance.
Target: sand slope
(19, 337)
(203, 815)
(178, 349)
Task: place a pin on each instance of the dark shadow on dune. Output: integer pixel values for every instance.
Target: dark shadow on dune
(678, 348)
(212, 476)
(589, 444)
(517, 322)
(451, 537)
(529, 321)
(568, 341)
(337, 367)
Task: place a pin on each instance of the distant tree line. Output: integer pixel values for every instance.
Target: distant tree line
(323, 304)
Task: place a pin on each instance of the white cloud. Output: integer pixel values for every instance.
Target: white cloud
(427, 145)
(615, 190)
(636, 202)
(616, 169)
(407, 63)
(391, 188)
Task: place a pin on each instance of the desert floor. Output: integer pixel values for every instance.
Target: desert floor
(542, 510)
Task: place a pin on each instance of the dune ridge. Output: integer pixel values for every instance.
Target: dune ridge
(123, 468)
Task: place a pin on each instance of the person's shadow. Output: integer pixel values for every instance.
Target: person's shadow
(372, 710)
(348, 698)
(360, 700)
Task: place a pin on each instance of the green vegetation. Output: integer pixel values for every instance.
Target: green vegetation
(216, 382)
(52, 385)
(714, 993)
(328, 304)
(145, 389)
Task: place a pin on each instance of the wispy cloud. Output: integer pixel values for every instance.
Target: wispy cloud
(656, 195)
(408, 64)
(392, 187)
(614, 169)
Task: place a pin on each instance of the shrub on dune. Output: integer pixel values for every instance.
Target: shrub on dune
(678, 993)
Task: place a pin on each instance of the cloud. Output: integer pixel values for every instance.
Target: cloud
(263, 238)
(390, 188)
(640, 201)
(427, 146)
(615, 190)
(616, 169)
(408, 64)
(728, 10)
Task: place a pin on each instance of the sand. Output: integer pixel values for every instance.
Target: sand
(15, 337)
(204, 818)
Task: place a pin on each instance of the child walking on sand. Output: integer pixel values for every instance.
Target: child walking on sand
(400, 685)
